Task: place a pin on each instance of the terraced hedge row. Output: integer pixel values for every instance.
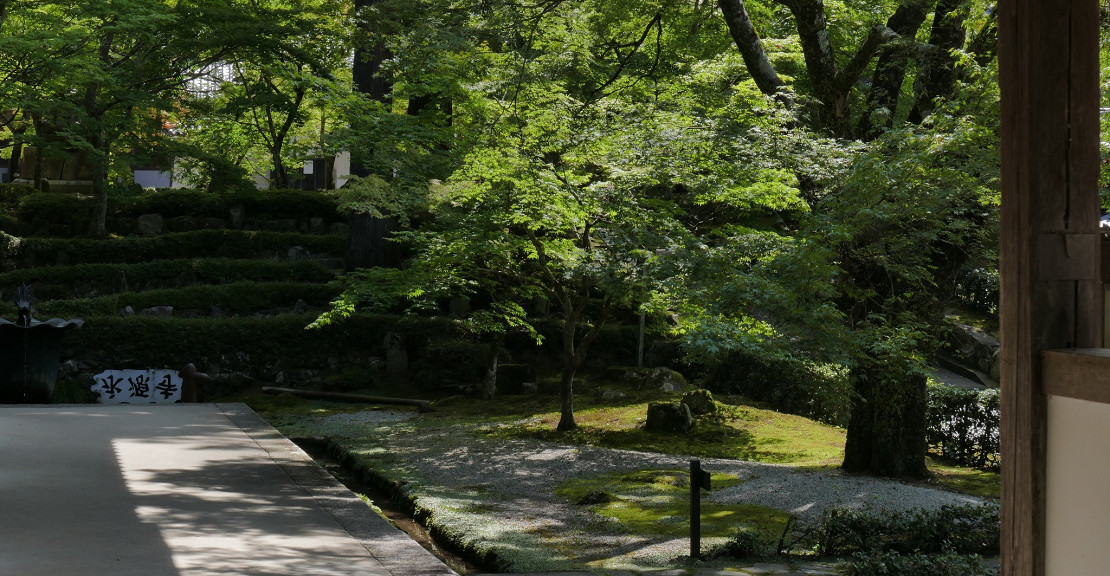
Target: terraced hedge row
(239, 298)
(80, 280)
(196, 244)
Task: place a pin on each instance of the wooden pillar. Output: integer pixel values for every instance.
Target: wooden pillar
(1051, 295)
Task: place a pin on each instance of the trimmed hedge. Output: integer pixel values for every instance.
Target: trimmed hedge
(256, 204)
(964, 425)
(232, 299)
(257, 347)
(195, 244)
(820, 392)
(52, 282)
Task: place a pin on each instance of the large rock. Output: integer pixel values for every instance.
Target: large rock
(663, 379)
(972, 347)
(669, 417)
(699, 401)
(149, 224)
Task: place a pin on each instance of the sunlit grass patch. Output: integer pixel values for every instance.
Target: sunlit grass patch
(971, 481)
(657, 502)
(742, 433)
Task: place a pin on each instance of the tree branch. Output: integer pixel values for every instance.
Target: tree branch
(751, 48)
(878, 36)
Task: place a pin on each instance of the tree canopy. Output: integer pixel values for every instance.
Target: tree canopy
(797, 180)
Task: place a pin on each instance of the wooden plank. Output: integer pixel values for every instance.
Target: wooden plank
(1080, 373)
(1047, 52)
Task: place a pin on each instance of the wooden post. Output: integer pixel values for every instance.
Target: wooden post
(1051, 296)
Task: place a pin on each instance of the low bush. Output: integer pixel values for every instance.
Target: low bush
(895, 564)
(963, 425)
(817, 391)
(964, 529)
(948, 530)
(256, 204)
(56, 213)
(978, 289)
(239, 298)
(195, 244)
(51, 282)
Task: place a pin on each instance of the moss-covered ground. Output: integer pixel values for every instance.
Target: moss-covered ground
(650, 504)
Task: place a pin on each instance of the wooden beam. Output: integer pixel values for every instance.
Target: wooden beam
(1080, 373)
(1051, 296)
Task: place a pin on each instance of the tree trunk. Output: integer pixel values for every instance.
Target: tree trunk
(489, 384)
(17, 155)
(886, 431)
(566, 394)
(369, 55)
(369, 244)
(751, 49)
(890, 70)
(936, 68)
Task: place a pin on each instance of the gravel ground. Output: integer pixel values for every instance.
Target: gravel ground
(500, 493)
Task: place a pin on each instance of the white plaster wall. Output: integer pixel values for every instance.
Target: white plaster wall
(1078, 484)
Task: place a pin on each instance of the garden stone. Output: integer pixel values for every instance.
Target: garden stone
(669, 417)
(338, 229)
(236, 216)
(300, 307)
(609, 394)
(284, 225)
(662, 379)
(298, 253)
(699, 401)
(149, 224)
(996, 365)
(595, 497)
(127, 311)
(159, 311)
(316, 225)
(971, 346)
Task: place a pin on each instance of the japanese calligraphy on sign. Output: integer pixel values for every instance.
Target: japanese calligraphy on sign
(138, 386)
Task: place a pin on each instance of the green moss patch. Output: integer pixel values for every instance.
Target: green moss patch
(658, 502)
(738, 432)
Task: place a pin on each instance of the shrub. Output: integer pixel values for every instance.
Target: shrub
(51, 282)
(59, 213)
(964, 529)
(895, 564)
(195, 244)
(964, 425)
(978, 289)
(256, 204)
(818, 391)
(232, 299)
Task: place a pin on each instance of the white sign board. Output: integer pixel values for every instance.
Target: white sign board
(138, 386)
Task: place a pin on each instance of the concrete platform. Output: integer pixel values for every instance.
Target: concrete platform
(189, 490)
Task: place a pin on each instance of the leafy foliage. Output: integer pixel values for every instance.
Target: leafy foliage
(964, 425)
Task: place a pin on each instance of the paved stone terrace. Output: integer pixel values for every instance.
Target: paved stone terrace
(182, 490)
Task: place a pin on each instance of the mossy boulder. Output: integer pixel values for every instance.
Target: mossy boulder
(700, 402)
(669, 417)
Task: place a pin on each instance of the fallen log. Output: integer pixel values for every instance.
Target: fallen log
(315, 394)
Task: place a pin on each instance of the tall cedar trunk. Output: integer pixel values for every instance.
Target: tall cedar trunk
(17, 154)
(886, 431)
(751, 49)
(936, 68)
(489, 384)
(369, 54)
(369, 244)
(890, 70)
